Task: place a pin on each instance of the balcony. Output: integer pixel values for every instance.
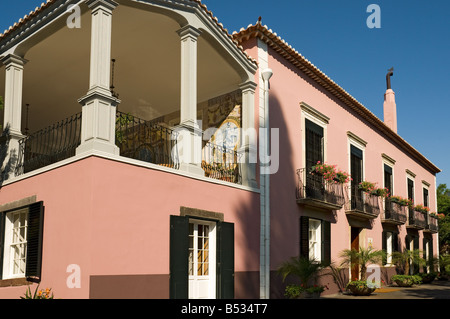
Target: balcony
(363, 205)
(221, 163)
(416, 219)
(315, 191)
(49, 145)
(394, 213)
(431, 225)
(148, 141)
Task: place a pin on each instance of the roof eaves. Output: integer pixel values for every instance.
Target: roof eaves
(288, 52)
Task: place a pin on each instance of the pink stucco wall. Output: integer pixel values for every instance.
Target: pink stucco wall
(112, 218)
(288, 88)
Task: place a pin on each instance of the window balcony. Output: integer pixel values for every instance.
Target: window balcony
(314, 190)
(394, 213)
(416, 219)
(431, 225)
(363, 205)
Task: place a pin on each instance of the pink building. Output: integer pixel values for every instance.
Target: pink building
(133, 157)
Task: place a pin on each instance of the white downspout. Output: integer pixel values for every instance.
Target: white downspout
(265, 176)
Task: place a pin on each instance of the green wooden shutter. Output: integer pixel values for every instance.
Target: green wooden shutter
(304, 236)
(179, 257)
(225, 260)
(326, 242)
(395, 241)
(35, 232)
(2, 241)
(384, 246)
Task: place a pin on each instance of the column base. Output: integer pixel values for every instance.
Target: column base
(98, 146)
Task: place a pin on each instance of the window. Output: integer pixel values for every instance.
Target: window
(425, 197)
(410, 189)
(201, 258)
(388, 182)
(313, 144)
(21, 232)
(390, 245)
(315, 239)
(356, 171)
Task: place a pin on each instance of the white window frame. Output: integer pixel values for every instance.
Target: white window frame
(315, 244)
(389, 247)
(356, 141)
(308, 112)
(9, 256)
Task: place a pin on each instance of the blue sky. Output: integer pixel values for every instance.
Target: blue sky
(413, 38)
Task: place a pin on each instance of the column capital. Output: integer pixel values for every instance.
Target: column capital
(248, 86)
(189, 31)
(13, 59)
(98, 4)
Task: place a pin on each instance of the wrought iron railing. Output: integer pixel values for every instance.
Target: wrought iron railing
(315, 187)
(416, 219)
(49, 145)
(221, 163)
(146, 141)
(394, 212)
(432, 224)
(363, 203)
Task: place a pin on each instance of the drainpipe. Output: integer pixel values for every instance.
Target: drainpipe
(265, 178)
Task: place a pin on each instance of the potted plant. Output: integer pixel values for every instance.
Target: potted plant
(342, 177)
(307, 271)
(403, 260)
(328, 172)
(362, 257)
(427, 278)
(400, 200)
(421, 208)
(367, 187)
(406, 280)
(381, 192)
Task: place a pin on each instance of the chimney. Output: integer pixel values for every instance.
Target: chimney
(390, 108)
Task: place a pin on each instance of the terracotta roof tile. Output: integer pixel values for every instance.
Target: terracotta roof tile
(289, 53)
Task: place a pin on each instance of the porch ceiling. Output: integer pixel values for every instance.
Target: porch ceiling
(147, 72)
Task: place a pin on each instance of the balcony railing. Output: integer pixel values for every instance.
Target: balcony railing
(146, 141)
(49, 145)
(314, 190)
(363, 205)
(394, 213)
(221, 163)
(432, 225)
(416, 219)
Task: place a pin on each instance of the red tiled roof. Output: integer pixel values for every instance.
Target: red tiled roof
(290, 54)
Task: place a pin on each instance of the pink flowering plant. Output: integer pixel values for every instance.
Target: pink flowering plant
(401, 200)
(367, 187)
(330, 173)
(421, 208)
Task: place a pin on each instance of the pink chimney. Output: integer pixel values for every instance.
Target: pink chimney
(390, 108)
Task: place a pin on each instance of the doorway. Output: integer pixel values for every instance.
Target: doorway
(202, 260)
(354, 244)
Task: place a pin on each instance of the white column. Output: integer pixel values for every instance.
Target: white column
(248, 147)
(191, 133)
(99, 106)
(13, 108)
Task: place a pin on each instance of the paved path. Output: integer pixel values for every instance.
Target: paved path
(435, 290)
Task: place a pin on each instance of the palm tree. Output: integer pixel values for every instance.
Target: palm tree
(305, 269)
(362, 258)
(403, 260)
